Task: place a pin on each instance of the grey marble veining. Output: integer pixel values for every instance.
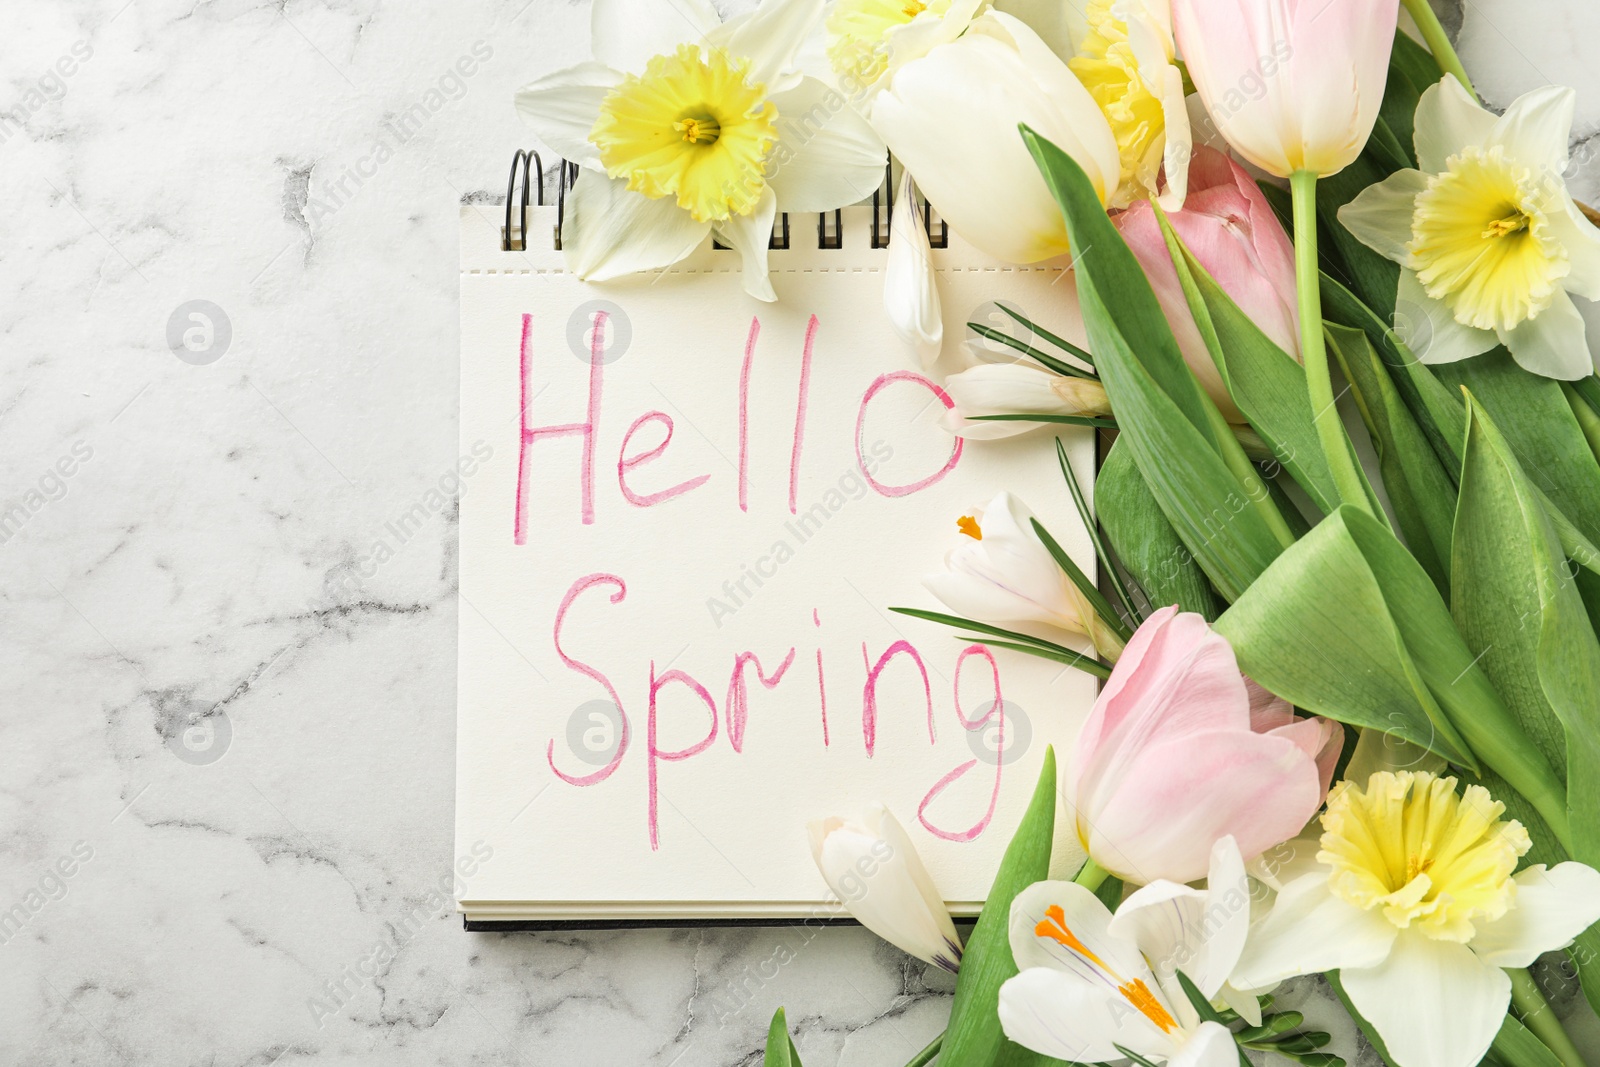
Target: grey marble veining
(225, 807)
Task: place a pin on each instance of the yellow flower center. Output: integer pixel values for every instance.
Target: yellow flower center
(969, 526)
(1480, 241)
(1431, 860)
(858, 32)
(692, 126)
(1106, 65)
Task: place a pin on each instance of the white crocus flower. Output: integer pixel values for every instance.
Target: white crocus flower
(910, 284)
(1002, 573)
(872, 866)
(686, 126)
(1490, 244)
(1414, 903)
(1093, 984)
(1016, 389)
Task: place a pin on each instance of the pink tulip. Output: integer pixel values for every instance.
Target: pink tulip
(1292, 84)
(1174, 757)
(1230, 228)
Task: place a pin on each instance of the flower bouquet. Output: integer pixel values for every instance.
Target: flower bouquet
(1350, 722)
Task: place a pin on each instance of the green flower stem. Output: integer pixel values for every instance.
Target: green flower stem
(1538, 1017)
(1314, 348)
(926, 1055)
(1092, 875)
(1438, 42)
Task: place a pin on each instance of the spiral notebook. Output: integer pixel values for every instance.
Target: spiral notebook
(685, 517)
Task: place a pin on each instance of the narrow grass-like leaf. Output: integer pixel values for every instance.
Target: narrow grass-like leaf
(982, 628)
(1050, 362)
(1090, 591)
(974, 1038)
(1202, 1007)
(1070, 659)
(1093, 527)
(1144, 540)
(1060, 342)
(1039, 416)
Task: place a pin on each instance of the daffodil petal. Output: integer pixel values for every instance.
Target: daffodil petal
(561, 109)
(1434, 1003)
(1553, 906)
(1535, 127)
(1380, 215)
(827, 155)
(1310, 931)
(770, 36)
(1448, 120)
(750, 235)
(1581, 239)
(1553, 343)
(626, 34)
(610, 232)
(1430, 330)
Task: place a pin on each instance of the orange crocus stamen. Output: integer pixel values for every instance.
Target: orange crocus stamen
(969, 526)
(1055, 927)
(1138, 994)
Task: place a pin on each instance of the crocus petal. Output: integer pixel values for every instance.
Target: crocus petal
(872, 866)
(1015, 388)
(827, 155)
(910, 285)
(626, 34)
(769, 37)
(1448, 120)
(1008, 576)
(1058, 1014)
(611, 231)
(1434, 1003)
(1429, 328)
(1552, 343)
(750, 236)
(1552, 907)
(1380, 215)
(1309, 931)
(1535, 127)
(563, 106)
(1211, 1045)
(1077, 916)
(1198, 932)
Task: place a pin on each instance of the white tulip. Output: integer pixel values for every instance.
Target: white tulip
(951, 117)
(872, 866)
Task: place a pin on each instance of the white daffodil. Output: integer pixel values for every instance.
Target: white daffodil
(686, 125)
(1490, 244)
(1124, 55)
(869, 40)
(1013, 389)
(873, 868)
(1094, 984)
(910, 284)
(1002, 573)
(1413, 901)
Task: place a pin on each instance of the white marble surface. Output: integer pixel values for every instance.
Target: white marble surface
(228, 150)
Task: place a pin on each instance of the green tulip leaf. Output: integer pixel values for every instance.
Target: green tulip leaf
(1420, 491)
(1144, 540)
(1199, 475)
(780, 1047)
(974, 1038)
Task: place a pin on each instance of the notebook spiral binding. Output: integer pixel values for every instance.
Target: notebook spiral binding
(830, 224)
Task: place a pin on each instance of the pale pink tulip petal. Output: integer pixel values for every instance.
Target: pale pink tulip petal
(1180, 797)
